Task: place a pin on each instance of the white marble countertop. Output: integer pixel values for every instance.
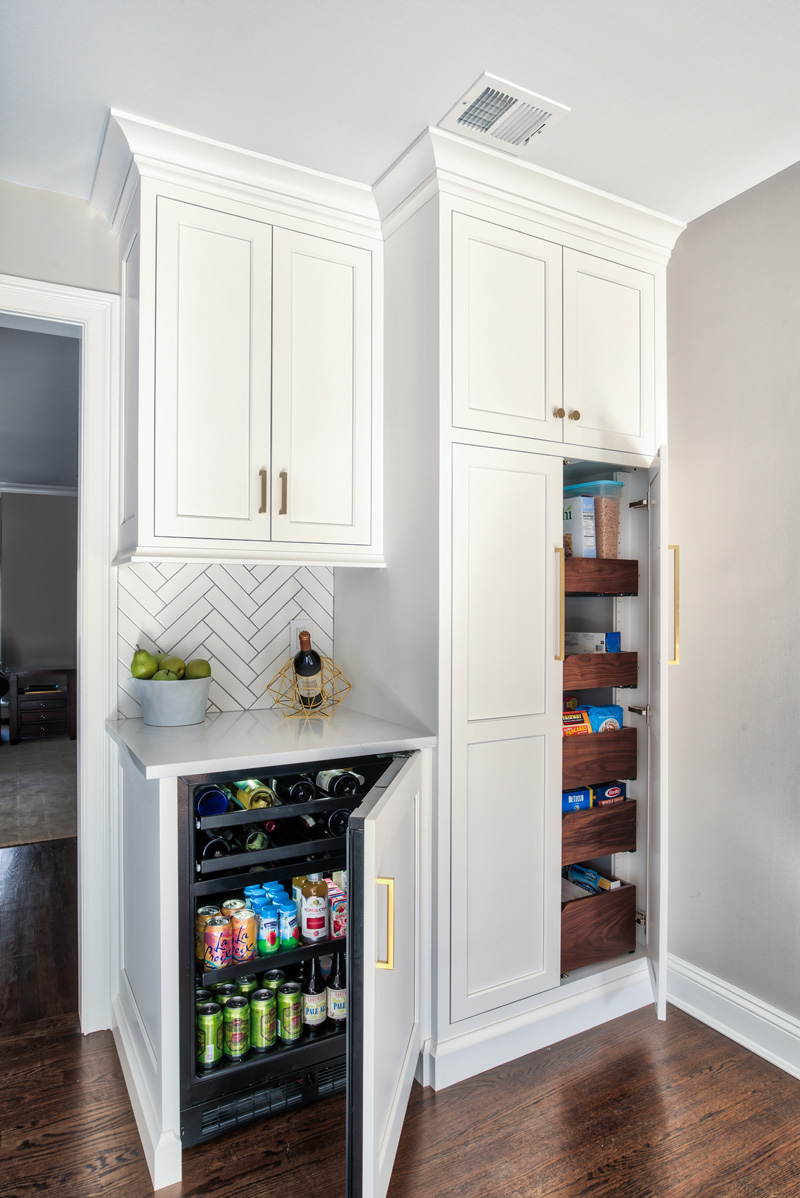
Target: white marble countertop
(234, 740)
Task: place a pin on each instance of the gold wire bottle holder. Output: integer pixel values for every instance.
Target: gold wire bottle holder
(283, 689)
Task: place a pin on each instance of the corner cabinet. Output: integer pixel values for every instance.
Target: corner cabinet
(251, 427)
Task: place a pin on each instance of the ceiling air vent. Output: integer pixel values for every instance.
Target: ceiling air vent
(502, 115)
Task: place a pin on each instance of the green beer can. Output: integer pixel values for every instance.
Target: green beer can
(209, 1035)
(273, 979)
(236, 1028)
(203, 996)
(263, 1029)
(224, 993)
(290, 1013)
(247, 984)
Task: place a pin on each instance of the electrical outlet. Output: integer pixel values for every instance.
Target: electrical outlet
(295, 628)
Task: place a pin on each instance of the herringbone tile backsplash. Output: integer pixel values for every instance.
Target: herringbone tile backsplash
(235, 616)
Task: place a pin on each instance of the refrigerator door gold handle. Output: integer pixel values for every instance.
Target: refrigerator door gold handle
(284, 487)
(389, 962)
(676, 605)
(561, 601)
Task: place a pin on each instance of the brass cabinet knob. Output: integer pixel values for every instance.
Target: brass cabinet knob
(574, 415)
(559, 414)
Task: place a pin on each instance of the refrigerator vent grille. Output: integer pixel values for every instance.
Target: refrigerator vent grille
(254, 1105)
(332, 1079)
(503, 115)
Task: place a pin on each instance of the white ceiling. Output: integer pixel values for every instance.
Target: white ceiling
(676, 104)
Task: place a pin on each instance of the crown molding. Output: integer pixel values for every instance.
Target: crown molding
(470, 171)
(136, 147)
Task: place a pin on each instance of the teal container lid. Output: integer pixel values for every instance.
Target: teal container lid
(585, 488)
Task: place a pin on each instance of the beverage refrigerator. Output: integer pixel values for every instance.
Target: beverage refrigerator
(374, 1060)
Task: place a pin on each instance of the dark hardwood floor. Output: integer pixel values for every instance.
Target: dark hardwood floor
(632, 1109)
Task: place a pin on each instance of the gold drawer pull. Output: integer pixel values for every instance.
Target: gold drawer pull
(676, 605)
(389, 962)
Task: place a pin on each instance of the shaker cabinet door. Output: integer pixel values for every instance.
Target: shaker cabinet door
(609, 354)
(211, 428)
(322, 391)
(506, 330)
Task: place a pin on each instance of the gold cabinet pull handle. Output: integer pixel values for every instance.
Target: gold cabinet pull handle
(389, 962)
(676, 605)
(262, 510)
(574, 415)
(559, 414)
(561, 602)
(284, 489)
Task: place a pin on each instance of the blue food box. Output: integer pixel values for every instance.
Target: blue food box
(612, 792)
(577, 800)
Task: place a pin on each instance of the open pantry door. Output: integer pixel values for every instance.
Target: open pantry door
(383, 1019)
(660, 640)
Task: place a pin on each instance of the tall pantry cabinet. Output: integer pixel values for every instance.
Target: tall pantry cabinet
(524, 350)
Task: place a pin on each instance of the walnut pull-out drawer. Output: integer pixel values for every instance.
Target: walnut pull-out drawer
(600, 669)
(598, 757)
(598, 832)
(598, 927)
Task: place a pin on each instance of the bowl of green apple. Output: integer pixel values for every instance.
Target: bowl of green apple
(165, 705)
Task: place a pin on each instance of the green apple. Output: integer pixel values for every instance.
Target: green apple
(174, 665)
(164, 676)
(144, 664)
(198, 667)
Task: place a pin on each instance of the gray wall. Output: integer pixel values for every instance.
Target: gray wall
(39, 398)
(38, 579)
(734, 758)
(56, 239)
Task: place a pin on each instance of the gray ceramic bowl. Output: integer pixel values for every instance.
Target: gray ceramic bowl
(168, 704)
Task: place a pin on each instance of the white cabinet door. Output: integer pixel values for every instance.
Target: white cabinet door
(506, 330)
(211, 431)
(660, 653)
(383, 1020)
(609, 354)
(506, 728)
(322, 391)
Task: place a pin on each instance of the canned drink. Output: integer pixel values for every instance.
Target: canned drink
(203, 996)
(224, 993)
(218, 943)
(290, 1013)
(236, 1028)
(273, 979)
(263, 1029)
(268, 930)
(209, 1035)
(231, 905)
(201, 919)
(246, 984)
(244, 934)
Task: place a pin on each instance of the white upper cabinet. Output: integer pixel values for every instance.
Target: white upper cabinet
(609, 354)
(506, 330)
(550, 342)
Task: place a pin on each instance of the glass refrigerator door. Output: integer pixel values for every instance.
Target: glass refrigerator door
(384, 1029)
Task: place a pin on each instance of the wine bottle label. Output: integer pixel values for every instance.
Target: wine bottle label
(337, 1004)
(315, 1009)
(314, 925)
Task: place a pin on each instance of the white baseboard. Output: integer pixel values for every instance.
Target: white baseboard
(756, 1025)
(162, 1149)
(464, 1056)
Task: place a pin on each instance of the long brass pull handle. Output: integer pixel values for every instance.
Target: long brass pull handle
(561, 602)
(676, 605)
(574, 415)
(262, 510)
(389, 962)
(284, 488)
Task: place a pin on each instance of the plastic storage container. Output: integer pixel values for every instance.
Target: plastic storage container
(606, 493)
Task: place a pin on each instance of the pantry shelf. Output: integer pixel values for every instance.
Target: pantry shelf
(583, 670)
(601, 576)
(598, 757)
(598, 832)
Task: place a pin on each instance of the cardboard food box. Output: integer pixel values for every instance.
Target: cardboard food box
(579, 538)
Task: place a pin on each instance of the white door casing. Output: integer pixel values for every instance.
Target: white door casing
(657, 733)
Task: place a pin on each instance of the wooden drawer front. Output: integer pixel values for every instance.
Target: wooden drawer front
(43, 704)
(597, 928)
(54, 729)
(48, 716)
(598, 757)
(600, 669)
(598, 832)
(601, 576)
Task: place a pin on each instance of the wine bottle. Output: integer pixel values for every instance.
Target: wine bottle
(250, 838)
(339, 783)
(252, 793)
(297, 829)
(334, 822)
(213, 845)
(308, 673)
(337, 992)
(294, 789)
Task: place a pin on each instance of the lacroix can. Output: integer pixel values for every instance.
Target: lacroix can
(201, 919)
(218, 943)
(262, 1020)
(231, 905)
(244, 934)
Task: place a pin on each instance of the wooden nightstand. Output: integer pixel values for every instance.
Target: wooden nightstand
(33, 713)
